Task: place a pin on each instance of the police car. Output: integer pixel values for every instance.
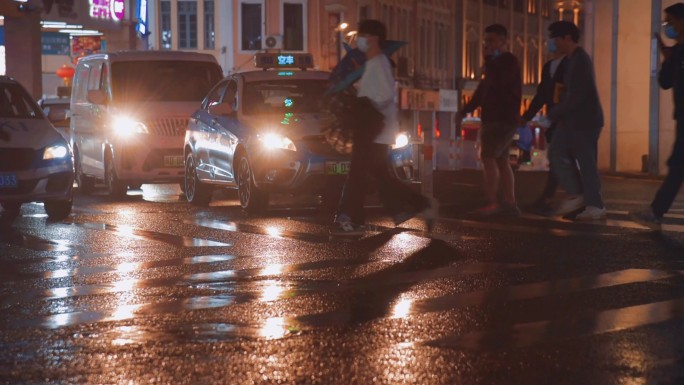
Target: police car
(36, 162)
(260, 132)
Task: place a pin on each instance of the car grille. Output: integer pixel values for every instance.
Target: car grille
(15, 159)
(319, 146)
(168, 126)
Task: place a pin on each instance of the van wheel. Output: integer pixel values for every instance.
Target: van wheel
(196, 192)
(10, 212)
(58, 210)
(115, 187)
(86, 184)
(252, 199)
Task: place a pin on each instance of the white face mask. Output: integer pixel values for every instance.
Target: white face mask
(362, 43)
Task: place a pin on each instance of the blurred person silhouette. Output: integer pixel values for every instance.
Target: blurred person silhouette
(671, 76)
(370, 154)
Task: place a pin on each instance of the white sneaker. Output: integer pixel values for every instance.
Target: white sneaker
(348, 228)
(569, 205)
(591, 213)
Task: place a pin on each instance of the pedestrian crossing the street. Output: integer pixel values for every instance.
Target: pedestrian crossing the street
(69, 286)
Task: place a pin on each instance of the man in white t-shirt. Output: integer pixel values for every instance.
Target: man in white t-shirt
(370, 155)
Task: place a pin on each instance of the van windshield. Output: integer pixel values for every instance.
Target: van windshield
(163, 80)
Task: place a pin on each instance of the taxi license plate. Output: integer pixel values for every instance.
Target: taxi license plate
(9, 180)
(337, 168)
(173, 161)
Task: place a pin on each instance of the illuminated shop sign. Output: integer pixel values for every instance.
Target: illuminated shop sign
(107, 9)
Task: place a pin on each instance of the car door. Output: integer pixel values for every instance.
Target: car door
(226, 139)
(91, 129)
(204, 134)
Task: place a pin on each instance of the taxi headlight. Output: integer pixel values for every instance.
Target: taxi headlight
(125, 127)
(57, 151)
(401, 140)
(275, 141)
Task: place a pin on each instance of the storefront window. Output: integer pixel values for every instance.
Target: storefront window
(251, 19)
(187, 24)
(165, 24)
(209, 24)
(293, 24)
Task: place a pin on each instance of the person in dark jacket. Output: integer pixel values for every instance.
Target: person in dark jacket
(579, 120)
(498, 95)
(671, 76)
(548, 94)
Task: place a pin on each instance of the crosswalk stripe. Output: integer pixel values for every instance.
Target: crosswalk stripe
(544, 332)
(505, 294)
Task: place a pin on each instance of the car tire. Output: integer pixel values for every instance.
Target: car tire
(252, 199)
(86, 184)
(10, 212)
(58, 210)
(196, 192)
(115, 187)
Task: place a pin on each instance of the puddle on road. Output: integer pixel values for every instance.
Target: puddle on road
(15, 238)
(135, 233)
(258, 230)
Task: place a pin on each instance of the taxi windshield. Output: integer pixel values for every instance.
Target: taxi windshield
(163, 80)
(283, 96)
(16, 103)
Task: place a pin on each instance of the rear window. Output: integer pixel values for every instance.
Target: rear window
(15, 102)
(163, 80)
(283, 96)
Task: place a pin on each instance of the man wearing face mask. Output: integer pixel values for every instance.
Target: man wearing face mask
(548, 94)
(671, 76)
(579, 120)
(498, 95)
(370, 154)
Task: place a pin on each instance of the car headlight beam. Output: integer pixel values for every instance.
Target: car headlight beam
(275, 141)
(57, 151)
(125, 127)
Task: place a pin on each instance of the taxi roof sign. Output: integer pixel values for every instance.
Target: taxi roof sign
(283, 60)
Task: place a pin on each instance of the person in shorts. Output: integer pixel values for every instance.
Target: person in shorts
(498, 95)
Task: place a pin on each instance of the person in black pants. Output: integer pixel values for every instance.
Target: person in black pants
(671, 76)
(548, 93)
(371, 151)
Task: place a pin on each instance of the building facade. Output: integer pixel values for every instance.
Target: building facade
(40, 36)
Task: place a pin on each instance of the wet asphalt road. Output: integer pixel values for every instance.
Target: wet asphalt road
(153, 290)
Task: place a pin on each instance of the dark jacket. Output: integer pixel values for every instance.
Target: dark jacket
(579, 107)
(672, 76)
(500, 91)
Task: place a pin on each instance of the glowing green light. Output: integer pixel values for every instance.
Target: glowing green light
(285, 73)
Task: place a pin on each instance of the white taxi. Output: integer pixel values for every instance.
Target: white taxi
(260, 132)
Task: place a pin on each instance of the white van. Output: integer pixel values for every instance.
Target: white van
(129, 111)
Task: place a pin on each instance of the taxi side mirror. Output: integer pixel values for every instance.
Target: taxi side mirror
(222, 109)
(97, 97)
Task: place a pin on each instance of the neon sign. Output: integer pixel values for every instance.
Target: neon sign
(107, 9)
